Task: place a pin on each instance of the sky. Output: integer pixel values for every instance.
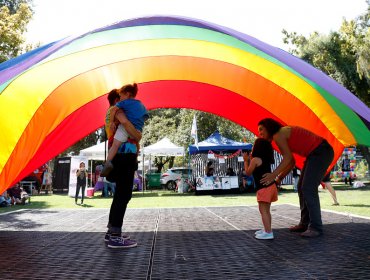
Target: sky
(264, 20)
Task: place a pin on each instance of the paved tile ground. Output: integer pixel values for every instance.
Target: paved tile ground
(188, 243)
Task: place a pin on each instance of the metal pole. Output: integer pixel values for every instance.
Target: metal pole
(142, 175)
(91, 176)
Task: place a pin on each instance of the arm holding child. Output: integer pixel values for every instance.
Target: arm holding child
(131, 130)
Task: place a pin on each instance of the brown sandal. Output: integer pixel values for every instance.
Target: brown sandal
(298, 228)
(310, 233)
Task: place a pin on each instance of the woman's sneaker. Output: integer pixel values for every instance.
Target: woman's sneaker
(265, 235)
(119, 242)
(259, 231)
(108, 234)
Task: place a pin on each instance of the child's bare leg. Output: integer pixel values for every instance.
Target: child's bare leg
(332, 192)
(264, 208)
(113, 150)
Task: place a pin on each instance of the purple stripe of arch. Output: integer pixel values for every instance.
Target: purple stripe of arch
(17, 67)
(159, 20)
(19, 59)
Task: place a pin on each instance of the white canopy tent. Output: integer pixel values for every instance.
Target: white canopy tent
(96, 152)
(164, 147)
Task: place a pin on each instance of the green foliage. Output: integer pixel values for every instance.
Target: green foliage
(161, 123)
(344, 54)
(175, 124)
(14, 5)
(13, 25)
(361, 169)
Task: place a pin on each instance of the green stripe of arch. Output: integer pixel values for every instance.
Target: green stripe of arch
(357, 127)
(4, 85)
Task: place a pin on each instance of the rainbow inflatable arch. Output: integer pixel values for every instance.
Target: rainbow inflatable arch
(55, 95)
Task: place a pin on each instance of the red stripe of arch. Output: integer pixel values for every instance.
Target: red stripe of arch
(157, 94)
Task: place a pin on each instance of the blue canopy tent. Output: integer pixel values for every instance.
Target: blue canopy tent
(221, 147)
(217, 143)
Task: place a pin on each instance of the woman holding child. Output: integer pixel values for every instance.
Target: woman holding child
(131, 114)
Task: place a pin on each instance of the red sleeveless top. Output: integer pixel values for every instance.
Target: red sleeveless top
(302, 141)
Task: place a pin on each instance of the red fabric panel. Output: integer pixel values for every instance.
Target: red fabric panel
(75, 127)
(157, 94)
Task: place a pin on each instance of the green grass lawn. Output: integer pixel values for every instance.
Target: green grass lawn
(354, 201)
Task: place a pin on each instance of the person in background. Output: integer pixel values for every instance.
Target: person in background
(258, 164)
(109, 188)
(138, 181)
(230, 172)
(209, 170)
(81, 174)
(346, 167)
(318, 154)
(46, 179)
(5, 199)
(17, 195)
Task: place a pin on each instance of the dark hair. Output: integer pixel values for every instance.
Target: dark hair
(271, 126)
(262, 148)
(112, 96)
(209, 163)
(131, 89)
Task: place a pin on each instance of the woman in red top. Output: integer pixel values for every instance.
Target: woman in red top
(318, 153)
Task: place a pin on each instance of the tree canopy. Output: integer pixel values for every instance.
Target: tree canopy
(14, 17)
(344, 54)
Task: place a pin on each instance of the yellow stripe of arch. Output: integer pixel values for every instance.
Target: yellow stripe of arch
(24, 96)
